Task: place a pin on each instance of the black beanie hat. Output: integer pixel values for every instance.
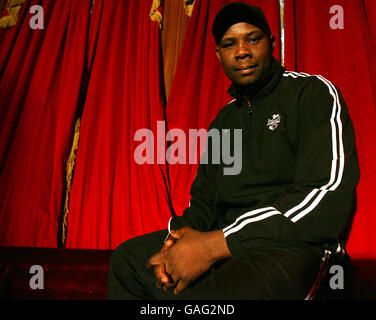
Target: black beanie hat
(236, 12)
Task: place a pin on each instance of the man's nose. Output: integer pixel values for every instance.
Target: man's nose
(243, 50)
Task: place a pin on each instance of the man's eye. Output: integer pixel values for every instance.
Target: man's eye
(254, 40)
(228, 45)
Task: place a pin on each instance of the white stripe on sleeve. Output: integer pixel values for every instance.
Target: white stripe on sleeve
(335, 177)
(250, 220)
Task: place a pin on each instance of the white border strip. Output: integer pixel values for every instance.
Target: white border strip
(282, 29)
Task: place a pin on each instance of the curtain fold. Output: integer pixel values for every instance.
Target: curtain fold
(114, 198)
(175, 23)
(40, 80)
(346, 58)
(199, 89)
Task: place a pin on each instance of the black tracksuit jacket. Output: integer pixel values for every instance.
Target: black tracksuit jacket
(299, 171)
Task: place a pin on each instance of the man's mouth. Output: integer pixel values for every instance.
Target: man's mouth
(246, 69)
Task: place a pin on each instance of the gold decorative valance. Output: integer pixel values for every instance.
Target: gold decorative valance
(188, 7)
(155, 15)
(13, 8)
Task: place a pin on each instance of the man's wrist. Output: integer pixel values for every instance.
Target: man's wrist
(217, 245)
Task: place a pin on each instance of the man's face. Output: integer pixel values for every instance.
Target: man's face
(245, 53)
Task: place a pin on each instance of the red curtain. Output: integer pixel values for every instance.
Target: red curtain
(113, 198)
(40, 80)
(345, 57)
(107, 68)
(200, 86)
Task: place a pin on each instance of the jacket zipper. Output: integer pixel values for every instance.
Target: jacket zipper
(249, 108)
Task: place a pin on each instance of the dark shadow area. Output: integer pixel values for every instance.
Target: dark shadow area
(73, 274)
(79, 274)
(365, 272)
(348, 279)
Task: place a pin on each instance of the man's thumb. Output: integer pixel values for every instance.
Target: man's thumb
(155, 260)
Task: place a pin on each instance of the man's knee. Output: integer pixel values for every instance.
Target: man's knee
(120, 255)
(136, 251)
(120, 269)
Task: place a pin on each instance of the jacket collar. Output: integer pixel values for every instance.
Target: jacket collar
(256, 94)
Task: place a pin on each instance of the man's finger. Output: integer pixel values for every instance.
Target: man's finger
(170, 285)
(160, 283)
(181, 286)
(169, 243)
(177, 234)
(156, 259)
(160, 274)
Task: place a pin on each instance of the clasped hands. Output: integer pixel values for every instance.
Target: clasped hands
(185, 255)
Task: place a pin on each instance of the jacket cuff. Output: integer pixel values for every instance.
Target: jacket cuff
(233, 245)
(177, 222)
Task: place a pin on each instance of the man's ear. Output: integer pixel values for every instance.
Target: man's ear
(272, 43)
(217, 53)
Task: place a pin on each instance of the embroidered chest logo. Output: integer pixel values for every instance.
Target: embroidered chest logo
(274, 122)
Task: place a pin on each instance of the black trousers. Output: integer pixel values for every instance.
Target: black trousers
(262, 273)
